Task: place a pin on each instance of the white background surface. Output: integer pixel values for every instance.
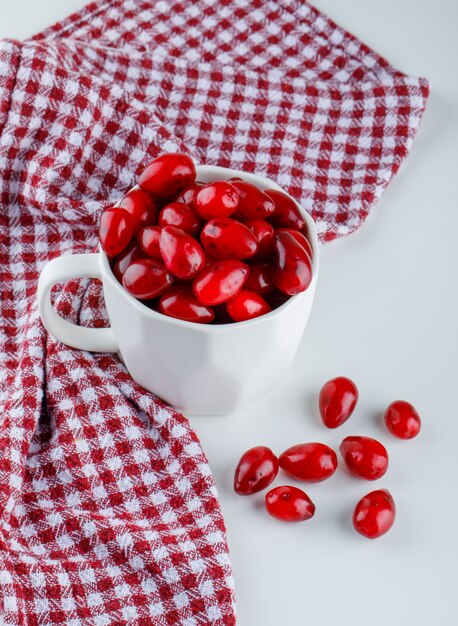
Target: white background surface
(385, 315)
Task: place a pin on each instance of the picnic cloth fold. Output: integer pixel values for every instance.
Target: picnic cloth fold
(108, 509)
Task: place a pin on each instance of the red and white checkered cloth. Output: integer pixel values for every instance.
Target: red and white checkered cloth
(108, 510)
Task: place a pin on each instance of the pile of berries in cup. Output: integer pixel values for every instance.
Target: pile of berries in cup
(364, 457)
(221, 252)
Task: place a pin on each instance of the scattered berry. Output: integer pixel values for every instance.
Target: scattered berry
(402, 420)
(255, 471)
(338, 398)
(289, 504)
(374, 514)
(312, 462)
(364, 457)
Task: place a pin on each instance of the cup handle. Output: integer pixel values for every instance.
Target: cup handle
(59, 270)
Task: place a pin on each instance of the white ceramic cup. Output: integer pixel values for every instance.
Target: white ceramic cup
(199, 369)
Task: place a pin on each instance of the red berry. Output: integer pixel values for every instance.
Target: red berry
(132, 253)
(253, 202)
(374, 514)
(264, 233)
(299, 237)
(148, 239)
(183, 256)
(225, 238)
(188, 195)
(141, 207)
(289, 504)
(180, 215)
(217, 199)
(312, 462)
(181, 303)
(115, 231)
(402, 420)
(338, 398)
(255, 471)
(364, 457)
(260, 279)
(220, 281)
(292, 268)
(286, 212)
(168, 174)
(246, 305)
(146, 279)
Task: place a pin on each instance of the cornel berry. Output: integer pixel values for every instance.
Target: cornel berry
(402, 420)
(364, 457)
(311, 462)
(374, 514)
(180, 302)
(167, 175)
(338, 398)
(255, 471)
(115, 231)
(289, 504)
(219, 252)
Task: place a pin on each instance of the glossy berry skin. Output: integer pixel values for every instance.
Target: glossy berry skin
(132, 253)
(182, 254)
(225, 238)
(264, 233)
(246, 305)
(115, 231)
(338, 398)
(364, 457)
(255, 471)
(188, 195)
(402, 420)
(292, 268)
(146, 279)
(286, 213)
(374, 514)
(141, 207)
(168, 174)
(220, 281)
(253, 202)
(289, 504)
(217, 199)
(260, 279)
(311, 462)
(181, 303)
(148, 240)
(180, 215)
(299, 237)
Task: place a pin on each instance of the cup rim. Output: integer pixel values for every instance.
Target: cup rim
(214, 172)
